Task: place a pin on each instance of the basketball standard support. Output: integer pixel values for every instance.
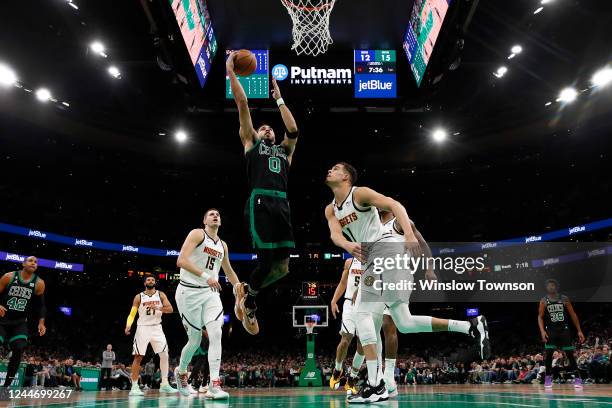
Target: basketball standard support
(310, 376)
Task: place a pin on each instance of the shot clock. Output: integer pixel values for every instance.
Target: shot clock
(375, 74)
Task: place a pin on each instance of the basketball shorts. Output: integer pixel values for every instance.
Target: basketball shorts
(559, 338)
(349, 325)
(146, 335)
(269, 220)
(11, 331)
(198, 307)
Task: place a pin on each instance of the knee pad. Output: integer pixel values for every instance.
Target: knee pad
(366, 329)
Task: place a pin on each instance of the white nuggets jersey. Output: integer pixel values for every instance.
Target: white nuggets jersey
(207, 256)
(390, 228)
(147, 314)
(355, 271)
(359, 225)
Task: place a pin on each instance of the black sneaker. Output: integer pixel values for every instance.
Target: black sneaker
(368, 394)
(480, 332)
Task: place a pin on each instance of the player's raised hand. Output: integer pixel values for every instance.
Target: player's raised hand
(214, 284)
(41, 329)
(276, 93)
(2, 311)
(229, 64)
(334, 308)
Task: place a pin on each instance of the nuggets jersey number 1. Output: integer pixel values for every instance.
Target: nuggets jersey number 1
(354, 277)
(208, 256)
(358, 224)
(148, 315)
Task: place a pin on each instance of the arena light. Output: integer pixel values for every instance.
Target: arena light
(439, 135)
(602, 77)
(114, 72)
(516, 49)
(98, 48)
(71, 4)
(7, 75)
(548, 103)
(181, 136)
(501, 71)
(538, 10)
(546, 1)
(567, 95)
(43, 94)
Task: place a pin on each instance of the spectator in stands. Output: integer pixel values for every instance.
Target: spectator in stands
(70, 372)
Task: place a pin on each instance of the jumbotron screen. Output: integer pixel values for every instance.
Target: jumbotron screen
(422, 33)
(256, 85)
(196, 28)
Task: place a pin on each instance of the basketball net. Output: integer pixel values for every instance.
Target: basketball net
(310, 25)
(310, 327)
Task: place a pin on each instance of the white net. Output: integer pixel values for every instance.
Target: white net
(310, 25)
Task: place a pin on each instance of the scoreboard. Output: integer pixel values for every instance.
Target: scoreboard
(256, 85)
(375, 74)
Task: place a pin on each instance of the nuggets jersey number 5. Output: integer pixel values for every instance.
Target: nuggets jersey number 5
(208, 256)
(354, 277)
(358, 224)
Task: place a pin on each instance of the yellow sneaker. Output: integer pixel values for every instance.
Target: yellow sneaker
(351, 386)
(337, 380)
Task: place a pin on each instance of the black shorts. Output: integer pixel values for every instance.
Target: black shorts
(269, 220)
(559, 338)
(11, 331)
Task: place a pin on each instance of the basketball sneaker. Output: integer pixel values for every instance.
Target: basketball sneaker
(136, 391)
(203, 389)
(182, 385)
(368, 394)
(578, 383)
(479, 330)
(392, 389)
(167, 389)
(337, 379)
(548, 382)
(249, 321)
(215, 391)
(239, 293)
(351, 386)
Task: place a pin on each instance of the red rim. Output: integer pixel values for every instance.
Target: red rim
(288, 3)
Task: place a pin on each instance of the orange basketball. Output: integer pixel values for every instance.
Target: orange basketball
(245, 63)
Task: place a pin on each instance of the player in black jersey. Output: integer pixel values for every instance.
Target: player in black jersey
(18, 291)
(553, 318)
(267, 209)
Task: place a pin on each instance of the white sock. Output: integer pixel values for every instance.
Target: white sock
(389, 370)
(135, 385)
(372, 372)
(163, 366)
(357, 362)
(214, 348)
(338, 366)
(459, 326)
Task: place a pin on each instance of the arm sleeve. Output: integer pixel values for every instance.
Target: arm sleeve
(131, 316)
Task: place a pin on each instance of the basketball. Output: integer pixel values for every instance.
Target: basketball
(245, 63)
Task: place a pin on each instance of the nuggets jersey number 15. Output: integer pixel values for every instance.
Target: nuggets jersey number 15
(208, 256)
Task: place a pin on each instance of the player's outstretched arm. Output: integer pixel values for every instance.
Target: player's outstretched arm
(39, 291)
(4, 281)
(366, 197)
(132, 315)
(335, 232)
(575, 320)
(227, 267)
(247, 132)
(341, 288)
(292, 133)
(166, 305)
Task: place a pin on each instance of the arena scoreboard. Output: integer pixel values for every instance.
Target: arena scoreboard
(310, 290)
(422, 33)
(194, 21)
(375, 74)
(256, 85)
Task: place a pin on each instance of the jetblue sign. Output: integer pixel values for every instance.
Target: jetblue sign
(375, 86)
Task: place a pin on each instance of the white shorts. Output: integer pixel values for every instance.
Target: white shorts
(387, 312)
(198, 306)
(149, 334)
(349, 326)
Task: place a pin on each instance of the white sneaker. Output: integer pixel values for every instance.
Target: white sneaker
(392, 389)
(215, 391)
(181, 383)
(203, 389)
(136, 392)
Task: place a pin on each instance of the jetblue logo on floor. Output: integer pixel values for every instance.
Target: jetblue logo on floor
(375, 86)
(280, 72)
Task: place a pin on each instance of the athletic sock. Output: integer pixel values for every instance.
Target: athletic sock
(389, 370)
(338, 366)
(372, 372)
(357, 362)
(459, 326)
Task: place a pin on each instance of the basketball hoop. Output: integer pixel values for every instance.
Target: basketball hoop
(310, 25)
(310, 327)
